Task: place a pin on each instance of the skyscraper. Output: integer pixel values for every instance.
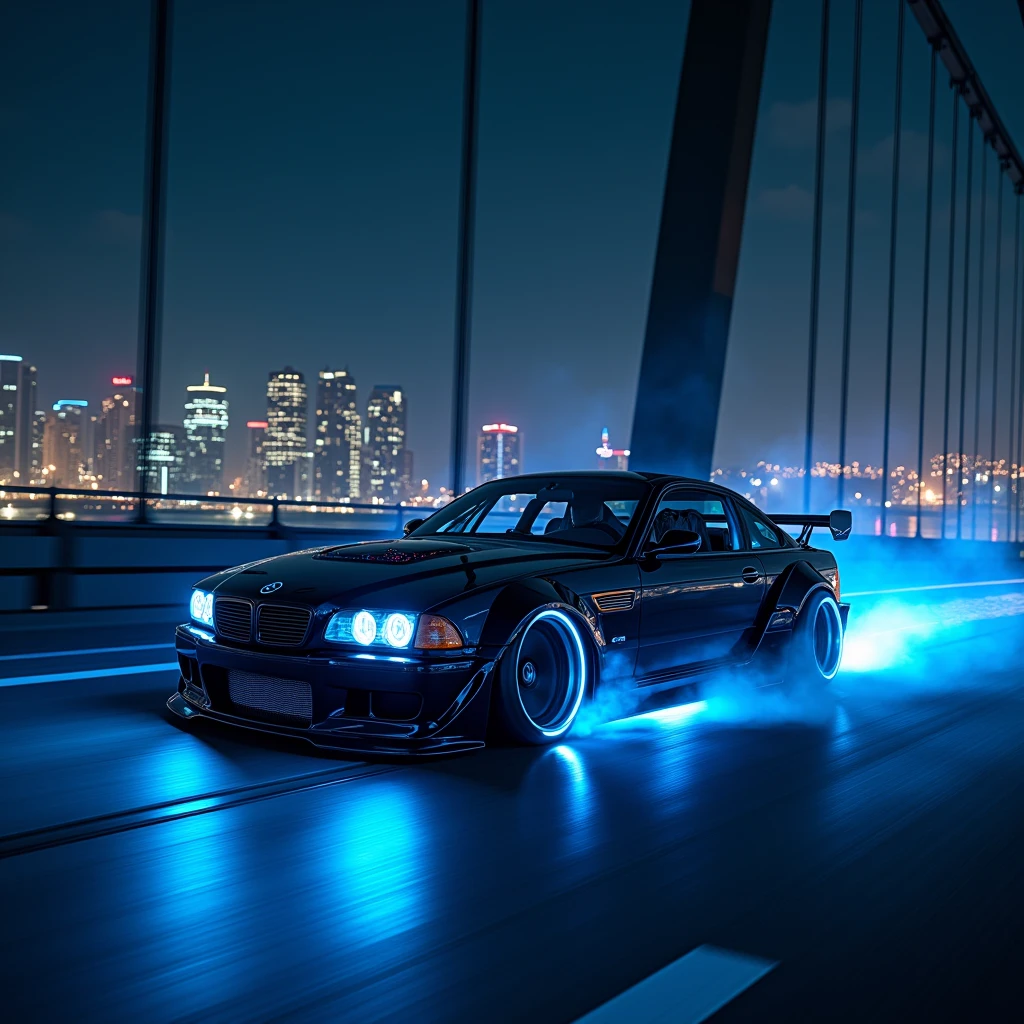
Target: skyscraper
(165, 461)
(206, 424)
(384, 441)
(63, 436)
(36, 456)
(255, 480)
(498, 452)
(26, 410)
(285, 443)
(114, 460)
(337, 443)
(10, 383)
(17, 405)
(611, 458)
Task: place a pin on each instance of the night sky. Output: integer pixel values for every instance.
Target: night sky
(313, 189)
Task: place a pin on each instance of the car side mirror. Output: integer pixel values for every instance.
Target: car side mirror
(675, 543)
(413, 524)
(840, 522)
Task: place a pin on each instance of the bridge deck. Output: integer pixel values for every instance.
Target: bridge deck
(204, 875)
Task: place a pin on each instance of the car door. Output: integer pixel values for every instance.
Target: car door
(767, 541)
(696, 607)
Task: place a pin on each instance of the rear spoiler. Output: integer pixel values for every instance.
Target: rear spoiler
(839, 521)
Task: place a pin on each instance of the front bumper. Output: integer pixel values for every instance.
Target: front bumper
(362, 703)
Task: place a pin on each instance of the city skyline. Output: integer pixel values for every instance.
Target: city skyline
(321, 259)
(73, 445)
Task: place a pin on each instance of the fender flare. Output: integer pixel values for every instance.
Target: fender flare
(791, 589)
(513, 607)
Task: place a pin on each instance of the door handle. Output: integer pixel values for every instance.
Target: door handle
(751, 575)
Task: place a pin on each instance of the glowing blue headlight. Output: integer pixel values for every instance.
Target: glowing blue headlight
(364, 628)
(371, 628)
(398, 629)
(201, 607)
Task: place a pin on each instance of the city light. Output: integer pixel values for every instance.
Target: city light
(323, 450)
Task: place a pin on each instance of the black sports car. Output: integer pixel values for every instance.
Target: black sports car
(508, 608)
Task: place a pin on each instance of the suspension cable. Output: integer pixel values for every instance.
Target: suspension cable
(1012, 480)
(1020, 398)
(949, 308)
(995, 352)
(850, 210)
(819, 174)
(963, 333)
(925, 295)
(978, 344)
(894, 210)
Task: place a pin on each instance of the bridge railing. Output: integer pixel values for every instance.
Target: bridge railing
(40, 504)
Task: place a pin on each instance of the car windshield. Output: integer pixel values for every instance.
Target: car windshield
(590, 511)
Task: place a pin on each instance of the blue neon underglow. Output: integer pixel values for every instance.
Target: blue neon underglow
(201, 607)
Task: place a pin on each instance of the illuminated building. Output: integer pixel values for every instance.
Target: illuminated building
(611, 458)
(38, 427)
(255, 482)
(63, 453)
(384, 445)
(17, 405)
(115, 439)
(406, 474)
(336, 448)
(285, 441)
(166, 455)
(498, 452)
(206, 424)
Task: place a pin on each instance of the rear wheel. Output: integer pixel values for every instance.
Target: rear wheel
(816, 647)
(542, 678)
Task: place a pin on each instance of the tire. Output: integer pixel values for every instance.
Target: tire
(816, 647)
(542, 678)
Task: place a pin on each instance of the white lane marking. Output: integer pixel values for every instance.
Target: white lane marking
(93, 673)
(688, 991)
(86, 650)
(933, 586)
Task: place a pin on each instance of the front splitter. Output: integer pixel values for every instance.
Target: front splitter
(342, 744)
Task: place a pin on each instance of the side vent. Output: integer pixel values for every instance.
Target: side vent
(614, 601)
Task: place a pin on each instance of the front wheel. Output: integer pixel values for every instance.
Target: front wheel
(816, 647)
(542, 678)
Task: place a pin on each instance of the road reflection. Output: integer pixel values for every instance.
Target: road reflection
(368, 859)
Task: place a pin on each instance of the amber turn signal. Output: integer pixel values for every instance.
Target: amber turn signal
(436, 633)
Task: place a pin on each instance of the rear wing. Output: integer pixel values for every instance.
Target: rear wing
(839, 521)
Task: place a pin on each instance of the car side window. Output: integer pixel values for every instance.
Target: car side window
(696, 511)
(762, 534)
(552, 510)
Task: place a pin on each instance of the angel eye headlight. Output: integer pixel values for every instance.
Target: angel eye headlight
(398, 629)
(201, 607)
(373, 628)
(364, 628)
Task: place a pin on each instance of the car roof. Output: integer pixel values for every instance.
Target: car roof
(610, 474)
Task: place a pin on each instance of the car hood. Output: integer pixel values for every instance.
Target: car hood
(413, 574)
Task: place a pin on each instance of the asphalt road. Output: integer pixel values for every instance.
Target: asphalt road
(868, 858)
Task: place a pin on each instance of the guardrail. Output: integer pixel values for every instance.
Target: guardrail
(19, 504)
(40, 505)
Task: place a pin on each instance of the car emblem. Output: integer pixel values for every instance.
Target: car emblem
(271, 587)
